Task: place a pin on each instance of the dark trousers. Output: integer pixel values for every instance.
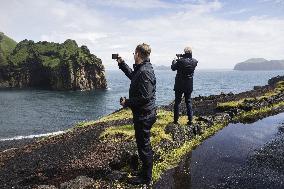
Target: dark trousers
(142, 134)
(188, 103)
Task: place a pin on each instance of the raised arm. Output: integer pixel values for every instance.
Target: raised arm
(174, 65)
(125, 68)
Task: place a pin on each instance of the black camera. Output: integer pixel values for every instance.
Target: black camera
(114, 56)
(179, 55)
(121, 99)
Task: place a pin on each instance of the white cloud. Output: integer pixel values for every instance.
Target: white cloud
(274, 1)
(135, 4)
(216, 42)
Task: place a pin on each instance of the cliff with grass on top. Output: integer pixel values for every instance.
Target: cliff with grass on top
(49, 65)
(102, 153)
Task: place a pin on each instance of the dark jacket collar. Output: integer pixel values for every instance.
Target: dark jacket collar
(137, 66)
(187, 55)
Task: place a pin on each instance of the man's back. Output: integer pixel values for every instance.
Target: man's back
(184, 78)
(186, 67)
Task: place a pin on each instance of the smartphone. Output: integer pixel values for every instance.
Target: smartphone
(114, 56)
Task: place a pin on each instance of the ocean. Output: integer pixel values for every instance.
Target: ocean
(31, 113)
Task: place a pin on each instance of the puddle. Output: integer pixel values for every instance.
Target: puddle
(219, 157)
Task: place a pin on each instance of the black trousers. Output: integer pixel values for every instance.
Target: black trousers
(188, 103)
(142, 134)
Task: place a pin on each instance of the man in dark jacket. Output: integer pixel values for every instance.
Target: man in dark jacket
(185, 67)
(142, 103)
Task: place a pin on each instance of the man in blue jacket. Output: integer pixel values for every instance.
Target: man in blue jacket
(185, 67)
(142, 103)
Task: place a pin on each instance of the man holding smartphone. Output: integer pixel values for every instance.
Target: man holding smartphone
(142, 103)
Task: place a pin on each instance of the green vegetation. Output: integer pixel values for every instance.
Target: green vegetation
(122, 114)
(50, 65)
(241, 103)
(250, 115)
(6, 47)
(171, 158)
(51, 54)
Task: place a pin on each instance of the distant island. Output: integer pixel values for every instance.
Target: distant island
(49, 65)
(260, 64)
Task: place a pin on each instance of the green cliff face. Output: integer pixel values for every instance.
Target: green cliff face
(6, 47)
(53, 66)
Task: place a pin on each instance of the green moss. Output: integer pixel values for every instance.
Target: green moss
(173, 157)
(262, 111)
(120, 115)
(85, 124)
(233, 104)
(124, 130)
(157, 131)
(237, 104)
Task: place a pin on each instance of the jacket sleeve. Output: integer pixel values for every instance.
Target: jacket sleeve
(174, 65)
(145, 91)
(125, 68)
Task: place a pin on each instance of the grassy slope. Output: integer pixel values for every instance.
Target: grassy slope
(6, 47)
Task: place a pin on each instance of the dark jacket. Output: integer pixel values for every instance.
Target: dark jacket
(185, 67)
(142, 91)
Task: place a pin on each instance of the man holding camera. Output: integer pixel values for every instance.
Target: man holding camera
(142, 103)
(185, 66)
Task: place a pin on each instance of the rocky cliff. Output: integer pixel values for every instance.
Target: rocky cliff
(53, 66)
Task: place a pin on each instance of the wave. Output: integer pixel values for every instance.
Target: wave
(32, 136)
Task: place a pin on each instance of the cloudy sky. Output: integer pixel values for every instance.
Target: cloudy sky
(220, 32)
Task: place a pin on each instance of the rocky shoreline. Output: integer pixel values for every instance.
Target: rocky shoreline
(102, 153)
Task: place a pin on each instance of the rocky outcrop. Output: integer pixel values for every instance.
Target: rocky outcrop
(53, 66)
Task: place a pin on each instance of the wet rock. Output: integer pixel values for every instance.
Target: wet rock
(179, 133)
(257, 87)
(116, 175)
(207, 119)
(276, 79)
(46, 187)
(196, 129)
(81, 182)
(221, 117)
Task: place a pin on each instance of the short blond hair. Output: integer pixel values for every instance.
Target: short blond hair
(144, 50)
(187, 50)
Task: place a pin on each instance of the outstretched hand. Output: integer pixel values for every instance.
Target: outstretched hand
(122, 101)
(119, 59)
(174, 61)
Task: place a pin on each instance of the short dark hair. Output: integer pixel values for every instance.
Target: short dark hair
(144, 50)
